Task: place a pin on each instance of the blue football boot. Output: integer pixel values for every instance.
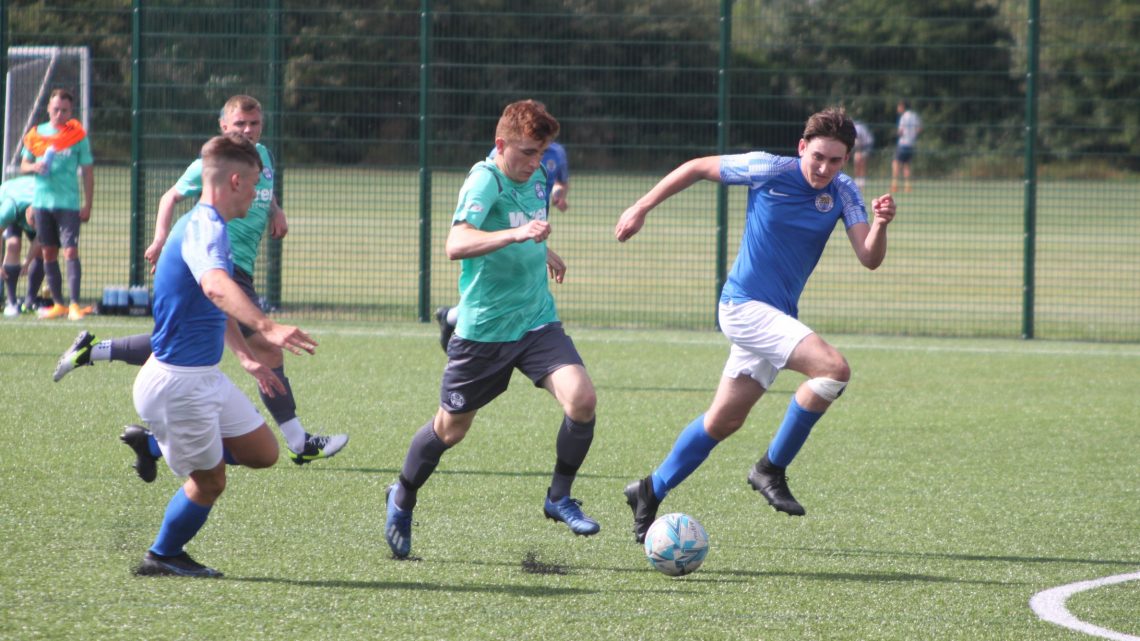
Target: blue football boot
(398, 527)
(569, 511)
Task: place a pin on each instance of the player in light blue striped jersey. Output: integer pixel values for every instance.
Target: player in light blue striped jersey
(794, 204)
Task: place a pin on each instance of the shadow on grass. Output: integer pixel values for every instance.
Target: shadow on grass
(510, 590)
(952, 556)
(393, 472)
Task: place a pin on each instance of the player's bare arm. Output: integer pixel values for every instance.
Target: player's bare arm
(466, 241)
(162, 225)
(870, 242)
(88, 173)
(278, 225)
(681, 178)
(555, 265)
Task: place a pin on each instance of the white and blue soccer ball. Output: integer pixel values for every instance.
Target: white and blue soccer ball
(676, 544)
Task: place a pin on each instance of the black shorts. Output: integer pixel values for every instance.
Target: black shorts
(58, 227)
(245, 282)
(477, 372)
(16, 229)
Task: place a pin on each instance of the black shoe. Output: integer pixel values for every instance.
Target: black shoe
(135, 436)
(445, 329)
(177, 565)
(769, 479)
(639, 495)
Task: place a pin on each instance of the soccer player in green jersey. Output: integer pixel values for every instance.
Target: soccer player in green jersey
(241, 114)
(507, 320)
(16, 196)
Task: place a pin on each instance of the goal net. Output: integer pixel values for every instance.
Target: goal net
(33, 72)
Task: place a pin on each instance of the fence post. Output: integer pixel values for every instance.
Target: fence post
(722, 122)
(137, 275)
(1028, 284)
(275, 129)
(425, 161)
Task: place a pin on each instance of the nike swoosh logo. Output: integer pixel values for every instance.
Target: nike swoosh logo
(778, 193)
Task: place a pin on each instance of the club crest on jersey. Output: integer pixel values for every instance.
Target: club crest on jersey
(540, 191)
(824, 203)
(267, 173)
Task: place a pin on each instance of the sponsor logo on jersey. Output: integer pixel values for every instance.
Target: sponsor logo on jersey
(778, 193)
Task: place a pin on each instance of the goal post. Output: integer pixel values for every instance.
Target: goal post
(33, 72)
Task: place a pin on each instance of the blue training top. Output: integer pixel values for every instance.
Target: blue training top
(189, 329)
(787, 225)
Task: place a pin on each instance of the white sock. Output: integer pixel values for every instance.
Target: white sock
(101, 351)
(453, 316)
(294, 434)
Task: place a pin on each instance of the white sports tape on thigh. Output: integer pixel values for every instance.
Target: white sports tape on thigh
(828, 389)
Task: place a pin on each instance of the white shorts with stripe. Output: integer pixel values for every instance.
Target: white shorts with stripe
(190, 410)
(763, 339)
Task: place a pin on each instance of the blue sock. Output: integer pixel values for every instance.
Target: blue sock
(792, 434)
(691, 449)
(182, 521)
(152, 443)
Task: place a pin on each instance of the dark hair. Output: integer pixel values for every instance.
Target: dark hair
(527, 119)
(62, 93)
(832, 122)
(231, 147)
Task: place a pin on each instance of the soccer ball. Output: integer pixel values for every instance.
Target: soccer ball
(676, 544)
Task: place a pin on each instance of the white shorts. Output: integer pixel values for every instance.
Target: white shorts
(190, 410)
(763, 339)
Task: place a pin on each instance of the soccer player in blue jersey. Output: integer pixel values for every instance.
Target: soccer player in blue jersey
(794, 204)
(241, 114)
(557, 168)
(507, 320)
(200, 419)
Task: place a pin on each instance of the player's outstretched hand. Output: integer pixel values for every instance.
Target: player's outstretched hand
(629, 224)
(152, 253)
(291, 338)
(883, 208)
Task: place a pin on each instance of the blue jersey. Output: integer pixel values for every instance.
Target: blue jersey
(189, 330)
(554, 161)
(787, 224)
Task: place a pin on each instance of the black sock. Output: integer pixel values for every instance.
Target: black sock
(11, 277)
(133, 350)
(570, 449)
(74, 277)
(54, 281)
(423, 456)
(282, 407)
(35, 279)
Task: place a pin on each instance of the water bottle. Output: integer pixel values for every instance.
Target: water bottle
(49, 156)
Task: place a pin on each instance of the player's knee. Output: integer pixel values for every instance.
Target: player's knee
(826, 388)
(580, 408)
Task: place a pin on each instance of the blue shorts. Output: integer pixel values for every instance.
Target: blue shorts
(904, 153)
(478, 372)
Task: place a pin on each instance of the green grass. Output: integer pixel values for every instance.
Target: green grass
(955, 265)
(954, 480)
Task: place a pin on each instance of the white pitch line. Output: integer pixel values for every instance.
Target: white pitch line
(1050, 606)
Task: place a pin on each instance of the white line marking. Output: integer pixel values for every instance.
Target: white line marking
(1050, 606)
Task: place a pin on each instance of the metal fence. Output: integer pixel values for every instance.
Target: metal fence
(1021, 218)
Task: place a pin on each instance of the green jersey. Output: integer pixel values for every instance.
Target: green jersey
(245, 233)
(503, 294)
(15, 197)
(59, 189)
